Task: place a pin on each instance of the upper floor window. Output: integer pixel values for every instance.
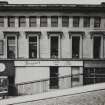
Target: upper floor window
(32, 21)
(32, 46)
(76, 21)
(1, 21)
(54, 21)
(75, 46)
(97, 22)
(86, 22)
(96, 46)
(1, 47)
(22, 21)
(65, 21)
(43, 21)
(11, 47)
(54, 46)
(11, 21)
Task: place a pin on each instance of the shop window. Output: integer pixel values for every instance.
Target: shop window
(32, 46)
(93, 75)
(11, 47)
(43, 21)
(86, 22)
(1, 47)
(54, 80)
(32, 21)
(76, 21)
(54, 21)
(75, 46)
(96, 46)
(65, 21)
(22, 21)
(1, 21)
(11, 21)
(54, 46)
(97, 22)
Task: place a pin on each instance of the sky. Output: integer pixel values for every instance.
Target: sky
(54, 1)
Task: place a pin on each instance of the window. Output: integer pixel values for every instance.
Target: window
(76, 21)
(96, 46)
(22, 21)
(54, 81)
(93, 75)
(32, 21)
(11, 47)
(54, 21)
(54, 46)
(11, 21)
(32, 46)
(1, 47)
(97, 21)
(65, 21)
(43, 21)
(86, 22)
(75, 46)
(1, 21)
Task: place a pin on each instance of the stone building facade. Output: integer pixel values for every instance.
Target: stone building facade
(52, 46)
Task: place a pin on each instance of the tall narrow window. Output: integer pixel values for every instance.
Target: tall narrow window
(86, 22)
(75, 46)
(97, 22)
(76, 21)
(54, 81)
(11, 47)
(96, 46)
(54, 21)
(1, 21)
(32, 21)
(32, 46)
(22, 21)
(65, 21)
(54, 46)
(43, 21)
(11, 21)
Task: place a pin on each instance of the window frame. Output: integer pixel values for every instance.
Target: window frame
(31, 22)
(76, 21)
(86, 22)
(95, 22)
(43, 21)
(65, 21)
(54, 21)
(11, 23)
(22, 23)
(2, 22)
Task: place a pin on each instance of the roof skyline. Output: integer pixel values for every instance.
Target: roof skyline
(54, 1)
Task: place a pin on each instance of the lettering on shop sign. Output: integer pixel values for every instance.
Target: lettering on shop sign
(32, 62)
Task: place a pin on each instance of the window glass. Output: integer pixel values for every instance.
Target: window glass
(65, 21)
(54, 46)
(54, 21)
(97, 21)
(86, 22)
(76, 21)
(33, 47)
(11, 21)
(32, 21)
(43, 21)
(1, 21)
(75, 46)
(11, 47)
(22, 21)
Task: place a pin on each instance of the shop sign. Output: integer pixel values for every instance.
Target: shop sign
(48, 63)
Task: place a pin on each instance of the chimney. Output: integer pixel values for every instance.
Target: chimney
(3, 2)
(103, 3)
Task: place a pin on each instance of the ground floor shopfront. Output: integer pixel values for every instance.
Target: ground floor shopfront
(36, 76)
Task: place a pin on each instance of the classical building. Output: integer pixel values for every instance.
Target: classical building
(51, 46)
